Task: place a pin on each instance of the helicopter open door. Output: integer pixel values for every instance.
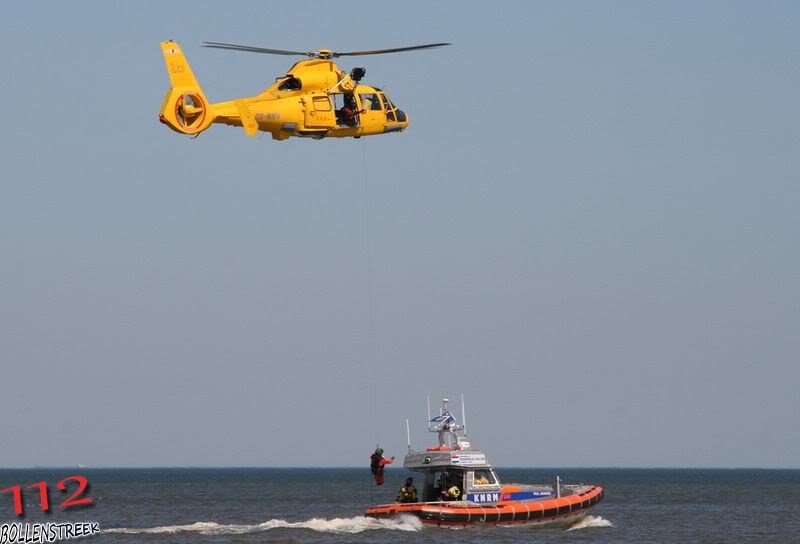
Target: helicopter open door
(348, 114)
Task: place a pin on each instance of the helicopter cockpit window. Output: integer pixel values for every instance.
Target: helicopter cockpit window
(370, 102)
(390, 116)
(290, 84)
(393, 113)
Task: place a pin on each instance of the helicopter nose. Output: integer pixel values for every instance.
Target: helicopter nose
(401, 116)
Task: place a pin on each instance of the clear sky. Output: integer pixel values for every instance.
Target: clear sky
(590, 229)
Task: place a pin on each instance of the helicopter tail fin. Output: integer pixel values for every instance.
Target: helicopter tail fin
(185, 108)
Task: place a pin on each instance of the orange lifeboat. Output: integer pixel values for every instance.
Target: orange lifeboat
(460, 487)
(545, 511)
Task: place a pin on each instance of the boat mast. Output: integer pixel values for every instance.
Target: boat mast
(464, 415)
(429, 412)
(445, 425)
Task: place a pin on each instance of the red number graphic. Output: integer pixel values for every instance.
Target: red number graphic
(15, 489)
(43, 499)
(73, 499)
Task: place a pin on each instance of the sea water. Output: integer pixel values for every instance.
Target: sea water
(248, 505)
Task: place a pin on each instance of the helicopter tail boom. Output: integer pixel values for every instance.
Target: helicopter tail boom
(185, 108)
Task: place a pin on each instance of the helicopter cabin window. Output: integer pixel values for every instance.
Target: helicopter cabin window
(322, 103)
(370, 102)
(290, 84)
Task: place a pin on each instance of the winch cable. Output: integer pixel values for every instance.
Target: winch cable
(371, 343)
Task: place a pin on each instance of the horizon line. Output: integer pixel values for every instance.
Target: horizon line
(351, 467)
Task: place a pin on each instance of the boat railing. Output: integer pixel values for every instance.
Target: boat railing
(573, 489)
(436, 503)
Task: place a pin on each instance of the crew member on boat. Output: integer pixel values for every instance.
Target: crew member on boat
(448, 487)
(453, 494)
(377, 462)
(408, 493)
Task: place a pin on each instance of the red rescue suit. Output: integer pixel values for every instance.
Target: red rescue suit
(377, 462)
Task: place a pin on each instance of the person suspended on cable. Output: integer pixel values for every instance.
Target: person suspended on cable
(408, 493)
(377, 462)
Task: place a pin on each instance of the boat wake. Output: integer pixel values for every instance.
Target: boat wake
(336, 525)
(590, 521)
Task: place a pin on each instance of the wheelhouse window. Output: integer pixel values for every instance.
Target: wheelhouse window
(438, 482)
(483, 477)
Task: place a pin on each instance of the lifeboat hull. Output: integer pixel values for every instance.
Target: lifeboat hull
(462, 513)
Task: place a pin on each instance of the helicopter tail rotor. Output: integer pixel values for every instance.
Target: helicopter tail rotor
(185, 108)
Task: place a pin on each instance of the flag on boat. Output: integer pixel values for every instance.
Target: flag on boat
(446, 417)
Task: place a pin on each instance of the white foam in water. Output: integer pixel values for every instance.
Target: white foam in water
(590, 521)
(336, 525)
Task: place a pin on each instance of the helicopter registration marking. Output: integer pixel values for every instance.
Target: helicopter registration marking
(268, 116)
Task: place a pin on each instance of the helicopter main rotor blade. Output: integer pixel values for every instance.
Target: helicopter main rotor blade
(250, 49)
(323, 53)
(393, 50)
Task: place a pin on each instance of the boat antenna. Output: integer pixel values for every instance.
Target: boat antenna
(408, 435)
(463, 414)
(429, 412)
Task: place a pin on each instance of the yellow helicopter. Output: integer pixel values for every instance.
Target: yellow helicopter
(313, 100)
